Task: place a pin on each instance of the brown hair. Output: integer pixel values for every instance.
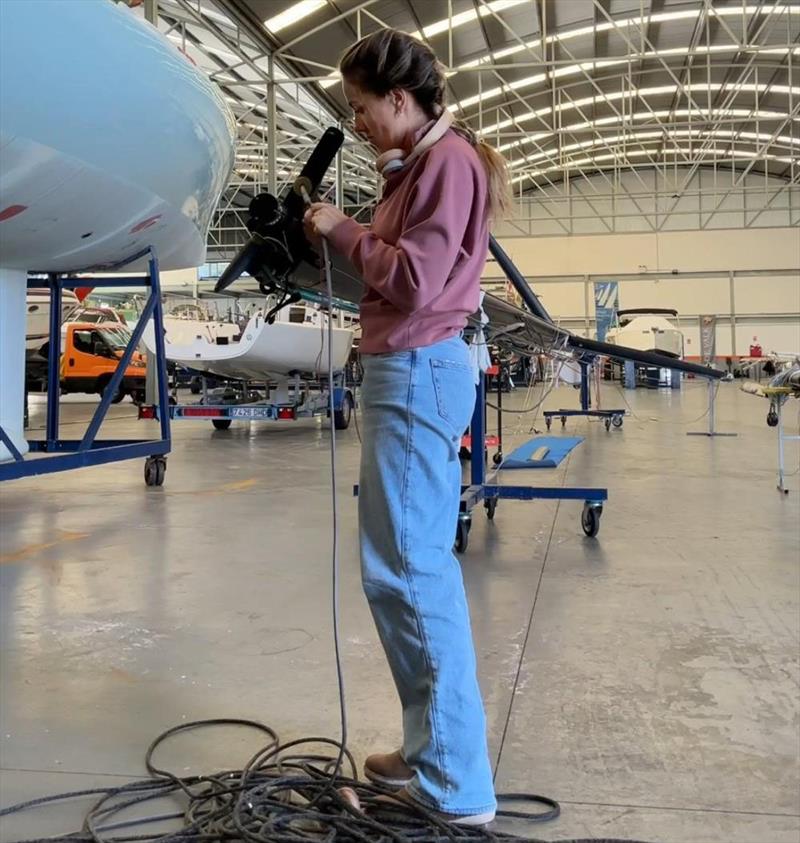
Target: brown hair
(390, 59)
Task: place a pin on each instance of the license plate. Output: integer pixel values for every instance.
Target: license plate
(251, 412)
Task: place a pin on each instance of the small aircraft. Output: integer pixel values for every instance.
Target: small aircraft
(780, 387)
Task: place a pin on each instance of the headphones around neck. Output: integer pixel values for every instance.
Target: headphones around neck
(394, 160)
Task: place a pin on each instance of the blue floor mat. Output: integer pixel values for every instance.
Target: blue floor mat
(541, 452)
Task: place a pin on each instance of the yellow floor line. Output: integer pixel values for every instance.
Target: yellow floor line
(33, 549)
(235, 486)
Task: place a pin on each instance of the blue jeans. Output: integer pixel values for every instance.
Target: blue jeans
(416, 405)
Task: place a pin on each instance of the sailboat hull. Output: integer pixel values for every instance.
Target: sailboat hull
(263, 350)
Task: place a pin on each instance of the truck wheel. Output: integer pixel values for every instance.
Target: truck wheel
(101, 389)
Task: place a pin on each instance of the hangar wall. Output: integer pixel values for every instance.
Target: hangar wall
(765, 305)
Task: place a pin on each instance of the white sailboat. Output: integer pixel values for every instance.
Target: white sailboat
(255, 349)
(37, 324)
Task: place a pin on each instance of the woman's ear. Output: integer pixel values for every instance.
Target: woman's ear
(398, 97)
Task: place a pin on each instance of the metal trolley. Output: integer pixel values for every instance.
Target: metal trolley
(610, 417)
(481, 489)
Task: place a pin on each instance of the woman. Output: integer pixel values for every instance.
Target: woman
(421, 260)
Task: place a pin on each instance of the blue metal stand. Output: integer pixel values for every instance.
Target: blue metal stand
(630, 374)
(614, 417)
(67, 454)
(490, 493)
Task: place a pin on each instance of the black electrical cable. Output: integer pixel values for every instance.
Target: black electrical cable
(282, 795)
(335, 517)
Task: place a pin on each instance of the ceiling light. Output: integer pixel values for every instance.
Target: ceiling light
(331, 80)
(613, 96)
(624, 24)
(585, 67)
(647, 115)
(293, 15)
(726, 139)
(724, 153)
(465, 17)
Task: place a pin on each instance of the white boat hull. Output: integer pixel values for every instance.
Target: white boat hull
(649, 333)
(263, 350)
(184, 332)
(111, 143)
(37, 326)
(108, 149)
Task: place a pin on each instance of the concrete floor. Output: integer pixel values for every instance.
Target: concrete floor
(646, 679)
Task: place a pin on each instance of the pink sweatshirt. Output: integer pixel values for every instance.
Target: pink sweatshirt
(423, 255)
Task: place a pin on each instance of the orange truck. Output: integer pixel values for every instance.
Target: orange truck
(90, 355)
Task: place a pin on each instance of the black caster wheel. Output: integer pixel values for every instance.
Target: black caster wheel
(342, 416)
(154, 470)
(563, 421)
(462, 535)
(607, 423)
(616, 421)
(548, 421)
(497, 458)
(490, 505)
(590, 519)
(772, 418)
(221, 424)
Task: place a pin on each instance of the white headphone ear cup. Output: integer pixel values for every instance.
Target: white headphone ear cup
(395, 159)
(389, 161)
(392, 166)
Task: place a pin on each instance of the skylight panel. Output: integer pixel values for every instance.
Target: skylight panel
(294, 14)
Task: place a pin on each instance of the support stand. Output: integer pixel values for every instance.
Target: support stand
(66, 454)
(782, 437)
(778, 396)
(630, 374)
(712, 400)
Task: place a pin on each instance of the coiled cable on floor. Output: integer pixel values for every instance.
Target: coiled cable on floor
(282, 795)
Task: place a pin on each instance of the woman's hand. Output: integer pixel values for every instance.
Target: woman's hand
(321, 218)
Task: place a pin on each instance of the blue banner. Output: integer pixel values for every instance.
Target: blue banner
(606, 304)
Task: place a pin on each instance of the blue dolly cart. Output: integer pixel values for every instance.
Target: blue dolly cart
(66, 454)
(490, 493)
